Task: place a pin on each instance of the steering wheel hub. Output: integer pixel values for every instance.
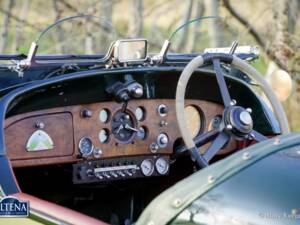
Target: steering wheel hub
(239, 119)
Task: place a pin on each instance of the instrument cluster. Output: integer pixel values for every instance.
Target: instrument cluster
(120, 127)
(94, 133)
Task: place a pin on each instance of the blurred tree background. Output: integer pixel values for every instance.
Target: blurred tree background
(273, 25)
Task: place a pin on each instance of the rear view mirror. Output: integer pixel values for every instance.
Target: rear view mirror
(131, 50)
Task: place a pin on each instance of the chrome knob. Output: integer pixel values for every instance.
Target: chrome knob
(121, 173)
(153, 147)
(137, 91)
(128, 173)
(162, 140)
(86, 113)
(98, 176)
(106, 175)
(113, 174)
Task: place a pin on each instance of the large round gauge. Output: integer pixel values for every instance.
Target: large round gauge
(162, 166)
(193, 120)
(85, 146)
(147, 167)
(123, 127)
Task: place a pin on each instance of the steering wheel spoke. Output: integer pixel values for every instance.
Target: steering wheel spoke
(258, 136)
(221, 82)
(198, 158)
(216, 145)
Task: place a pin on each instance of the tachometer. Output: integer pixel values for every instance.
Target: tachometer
(147, 167)
(85, 146)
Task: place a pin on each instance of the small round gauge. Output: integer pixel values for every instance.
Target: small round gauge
(215, 122)
(85, 146)
(162, 166)
(147, 167)
(193, 120)
(141, 134)
(123, 127)
(103, 136)
(140, 113)
(104, 115)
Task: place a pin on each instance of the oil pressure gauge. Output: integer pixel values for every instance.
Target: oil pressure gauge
(162, 165)
(147, 167)
(85, 146)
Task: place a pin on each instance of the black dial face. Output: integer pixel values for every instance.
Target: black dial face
(123, 127)
(85, 146)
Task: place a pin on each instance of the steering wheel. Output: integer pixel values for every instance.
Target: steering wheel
(236, 121)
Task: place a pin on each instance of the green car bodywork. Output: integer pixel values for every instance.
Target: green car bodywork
(260, 182)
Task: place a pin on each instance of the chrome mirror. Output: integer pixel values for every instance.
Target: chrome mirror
(130, 50)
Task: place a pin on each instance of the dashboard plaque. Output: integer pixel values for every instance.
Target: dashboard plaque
(39, 141)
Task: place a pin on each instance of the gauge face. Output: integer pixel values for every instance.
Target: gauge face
(193, 120)
(103, 136)
(123, 127)
(85, 146)
(141, 134)
(103, 115)
(162, 166)
(147, 167)
(140, 113)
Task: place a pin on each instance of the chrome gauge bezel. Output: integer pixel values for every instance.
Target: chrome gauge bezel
(151, 169)
(140, 113)
(166, 169)
(85, 154)
(107, 135)
(104, 112)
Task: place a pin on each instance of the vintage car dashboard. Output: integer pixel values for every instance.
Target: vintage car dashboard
(104, 142)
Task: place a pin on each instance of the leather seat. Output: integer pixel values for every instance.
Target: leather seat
(57, 212)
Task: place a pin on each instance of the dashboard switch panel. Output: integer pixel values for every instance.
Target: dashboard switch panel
(119, 169)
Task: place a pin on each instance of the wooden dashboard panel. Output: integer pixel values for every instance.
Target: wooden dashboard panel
(66, 127)
(18, 133)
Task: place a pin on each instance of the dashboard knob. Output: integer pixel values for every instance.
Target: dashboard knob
(99, 176)
(106, 175)
(113, 174)
(121, 173)
(90, 173)
(86, 113)
(128, 173)
(162, 110)
(137, 91)
(153, 147)
(162, 140)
